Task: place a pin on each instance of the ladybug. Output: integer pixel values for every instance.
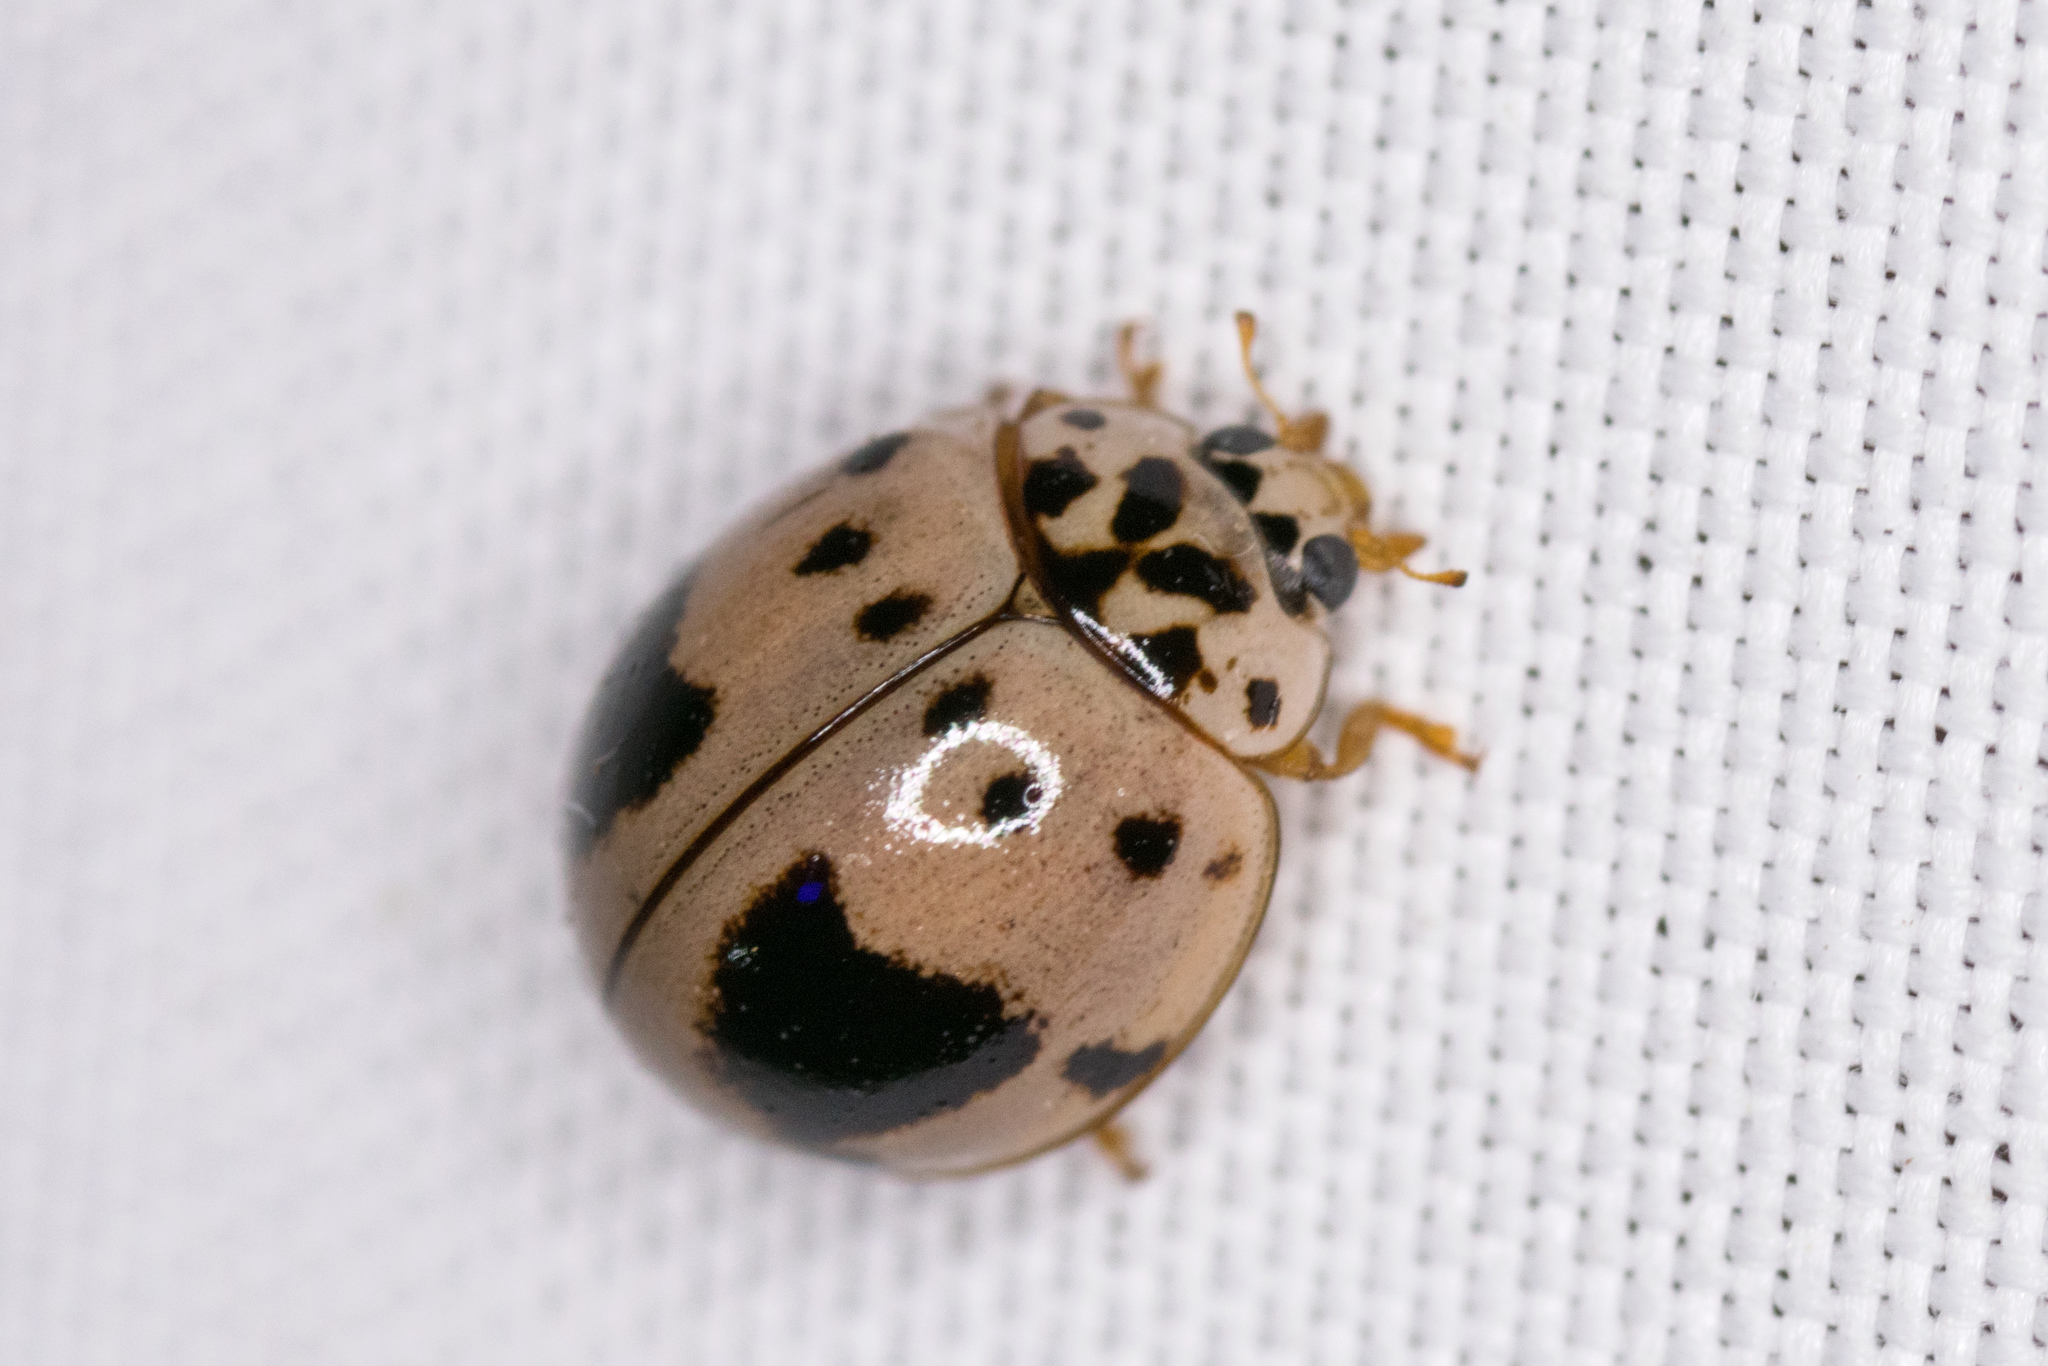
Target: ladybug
(921, 822)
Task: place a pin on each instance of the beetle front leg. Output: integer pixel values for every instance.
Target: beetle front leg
(1302, 760)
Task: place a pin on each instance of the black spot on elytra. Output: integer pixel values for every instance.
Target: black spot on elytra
(1193, 572)
(1100, 1068)
(1051, 485)
(1262, 703)
(1151, 502)
(1236, 441)
(843, 545)
(875, 454)
(1329, 566)
(956, 706)
(1224, 867)
(1175, 653)
(1280, 531)
(1007, 798)
(1087, 419)
(1080, 580)
(1146, 844)
(891, 616)
(828, 1040)
(644, 722)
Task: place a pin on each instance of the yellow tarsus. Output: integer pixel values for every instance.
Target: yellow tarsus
(1305, 433)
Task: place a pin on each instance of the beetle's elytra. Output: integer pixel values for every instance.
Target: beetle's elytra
(921, 822)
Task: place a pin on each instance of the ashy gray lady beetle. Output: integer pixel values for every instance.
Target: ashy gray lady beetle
(920, 822)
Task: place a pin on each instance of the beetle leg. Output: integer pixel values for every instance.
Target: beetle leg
(1114, 1141)
(1354, 745)
(1303, 434)
(1141, 377)
(1379, 554)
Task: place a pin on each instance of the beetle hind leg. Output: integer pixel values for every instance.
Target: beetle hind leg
(1361, 730)
(1113, 1141)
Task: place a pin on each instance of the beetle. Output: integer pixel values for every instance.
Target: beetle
(922, 821)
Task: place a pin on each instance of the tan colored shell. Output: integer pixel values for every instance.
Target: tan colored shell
(1254, 639)
(779, 651)
(950, 971)
(1104, 964)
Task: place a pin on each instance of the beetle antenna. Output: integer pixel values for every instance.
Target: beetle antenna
(1304, 433)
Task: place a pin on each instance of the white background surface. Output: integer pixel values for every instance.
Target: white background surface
(362, 369)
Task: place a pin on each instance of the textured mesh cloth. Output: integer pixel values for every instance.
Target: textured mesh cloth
(363, 368)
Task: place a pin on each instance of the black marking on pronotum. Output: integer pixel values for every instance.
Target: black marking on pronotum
(1007, 798)
(645, 721)
(1100, 1068)
(770, 776)
(1262, 703)
(891, 616)
(1087, 419)
(1280, 531)
(1050, 485)
(1080, 580)
(1193, 572)
(1146, 844)
(956, 706)
(1175, 653)
(1241, 478)
(875, 454)
(843, 545)
(1236, 441)
(1152, 498)
(830, 1040)
(1329, 566)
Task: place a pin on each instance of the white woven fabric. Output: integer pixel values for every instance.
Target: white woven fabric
(363, 368)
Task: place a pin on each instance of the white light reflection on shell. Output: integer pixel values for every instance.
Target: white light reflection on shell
(905, 812)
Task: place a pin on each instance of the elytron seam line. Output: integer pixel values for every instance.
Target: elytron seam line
(773, 773)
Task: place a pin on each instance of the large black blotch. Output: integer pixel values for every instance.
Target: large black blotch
(1152, 499)
(1050, 485)
(843, 545)
(957, 705)
(1087, 419)
(1329, 566)
(1175, 653)
(644, 722)
(875, 454)
(1146, 844)
(1100, 1068)
(891, 616)
(1193, 572)
(829, 1040)
(1080, 580)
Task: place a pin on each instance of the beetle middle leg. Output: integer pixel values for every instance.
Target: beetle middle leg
(1361, 730)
